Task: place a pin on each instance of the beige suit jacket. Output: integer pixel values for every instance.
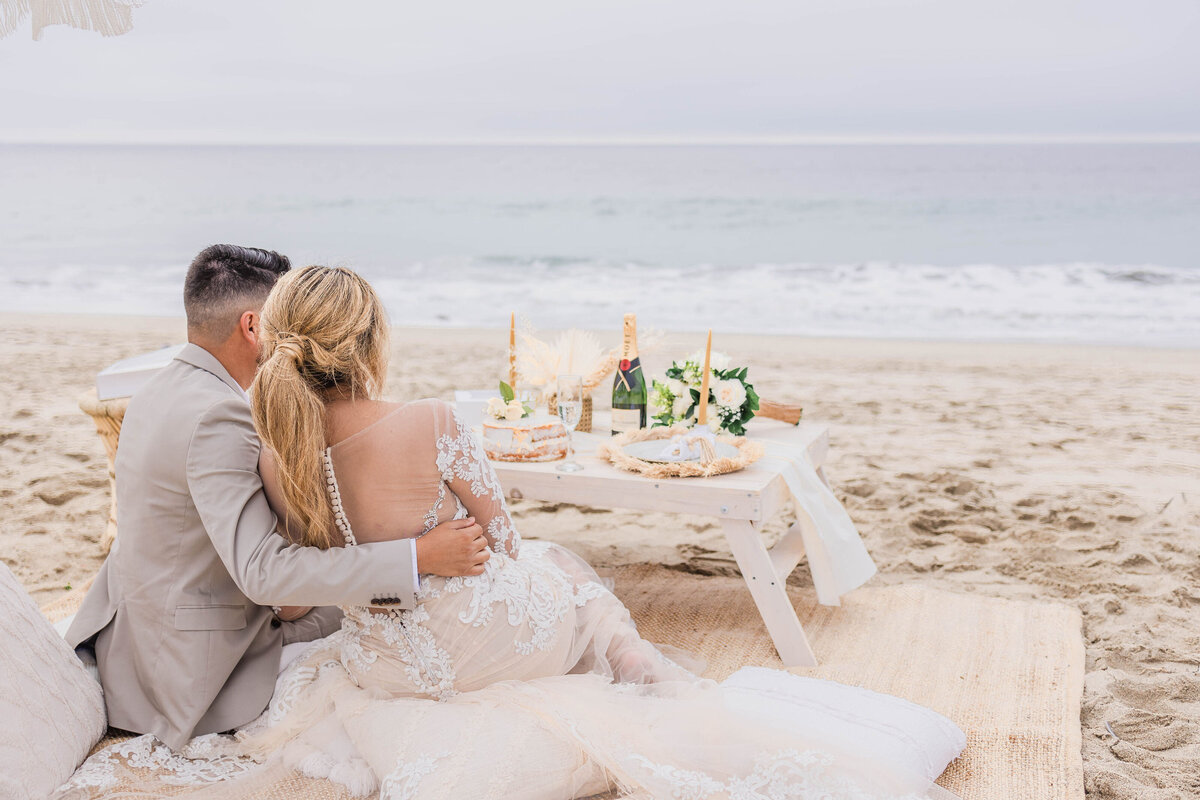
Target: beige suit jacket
(178, 613)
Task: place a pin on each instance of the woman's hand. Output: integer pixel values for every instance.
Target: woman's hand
(457, 547)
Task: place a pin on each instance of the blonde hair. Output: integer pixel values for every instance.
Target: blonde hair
(324, 336)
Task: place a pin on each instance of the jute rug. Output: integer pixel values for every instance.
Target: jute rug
(1009, 673)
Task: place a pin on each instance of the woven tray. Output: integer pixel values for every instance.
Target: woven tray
(748, 453)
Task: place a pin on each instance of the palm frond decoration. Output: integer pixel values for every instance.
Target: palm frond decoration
(574, 352)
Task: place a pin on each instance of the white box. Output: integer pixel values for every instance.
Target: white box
(128, 375)
(470, 403)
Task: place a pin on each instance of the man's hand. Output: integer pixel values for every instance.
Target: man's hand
(293, 613)
(457, 547)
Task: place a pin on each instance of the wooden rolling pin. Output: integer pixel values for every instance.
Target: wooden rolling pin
(785, 412)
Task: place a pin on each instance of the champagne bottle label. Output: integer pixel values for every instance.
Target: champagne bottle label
(625, 420)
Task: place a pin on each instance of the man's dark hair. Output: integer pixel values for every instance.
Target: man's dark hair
(223, 282)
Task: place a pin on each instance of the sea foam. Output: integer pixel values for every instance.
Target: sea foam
(1086, 303)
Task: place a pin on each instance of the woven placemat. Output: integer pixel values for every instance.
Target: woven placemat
(748, 451)
(1009, 673)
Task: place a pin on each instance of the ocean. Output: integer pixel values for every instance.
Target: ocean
(1088, 243)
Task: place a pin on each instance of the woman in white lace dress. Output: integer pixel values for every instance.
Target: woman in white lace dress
(342, 467)
(531, 674)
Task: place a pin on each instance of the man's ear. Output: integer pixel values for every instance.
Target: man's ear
(248, 327)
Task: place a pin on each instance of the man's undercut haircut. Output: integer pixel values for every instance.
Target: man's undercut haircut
(223, 282)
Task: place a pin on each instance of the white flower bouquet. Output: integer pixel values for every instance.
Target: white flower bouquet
(732, 401)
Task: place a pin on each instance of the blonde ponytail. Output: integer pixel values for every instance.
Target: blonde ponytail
(324, 336)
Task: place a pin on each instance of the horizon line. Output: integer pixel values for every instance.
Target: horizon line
(613, 141)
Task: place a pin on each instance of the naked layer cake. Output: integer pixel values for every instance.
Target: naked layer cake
(539, 437)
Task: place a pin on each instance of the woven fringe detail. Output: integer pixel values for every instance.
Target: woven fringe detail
(105, 17)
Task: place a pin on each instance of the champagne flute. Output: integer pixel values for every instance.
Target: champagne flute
(569, 391)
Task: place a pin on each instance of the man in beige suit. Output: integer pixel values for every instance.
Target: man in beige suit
(185, 617)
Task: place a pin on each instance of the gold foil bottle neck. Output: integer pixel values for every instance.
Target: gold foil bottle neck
(629, 347)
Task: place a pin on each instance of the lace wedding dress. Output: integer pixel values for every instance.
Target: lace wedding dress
(529, 680)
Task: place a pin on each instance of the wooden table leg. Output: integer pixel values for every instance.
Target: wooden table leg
(769, 592)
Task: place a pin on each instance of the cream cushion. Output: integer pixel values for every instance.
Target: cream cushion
(51, 710)
(907, 738)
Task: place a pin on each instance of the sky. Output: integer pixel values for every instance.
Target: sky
(303, 71)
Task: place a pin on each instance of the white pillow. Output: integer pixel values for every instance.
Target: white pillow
(52, 710)
(908, 738)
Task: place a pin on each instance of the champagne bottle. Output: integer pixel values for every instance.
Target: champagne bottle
(629, 385)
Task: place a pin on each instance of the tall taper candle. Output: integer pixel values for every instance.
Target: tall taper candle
(702, 414)
(512, 350)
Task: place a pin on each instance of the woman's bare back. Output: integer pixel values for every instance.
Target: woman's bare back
(402, 469)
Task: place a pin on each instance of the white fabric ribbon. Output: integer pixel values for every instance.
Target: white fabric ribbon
(688, 446)
(837, 557)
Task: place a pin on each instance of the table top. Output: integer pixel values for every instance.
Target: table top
(754, 493)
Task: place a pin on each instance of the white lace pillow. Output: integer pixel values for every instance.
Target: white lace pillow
(908, 738)
(52, 710)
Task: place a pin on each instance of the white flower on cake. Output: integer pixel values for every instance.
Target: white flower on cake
(675, 386)
(507, 406)
(729, 393)
(496, 407)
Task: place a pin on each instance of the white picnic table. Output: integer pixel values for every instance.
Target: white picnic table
(742, 501)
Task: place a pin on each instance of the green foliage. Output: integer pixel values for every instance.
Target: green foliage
(508, 395)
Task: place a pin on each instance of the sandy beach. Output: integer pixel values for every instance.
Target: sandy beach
(1064, 473)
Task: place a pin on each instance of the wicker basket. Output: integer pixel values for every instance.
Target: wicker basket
(585, 416)
(108, 416)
